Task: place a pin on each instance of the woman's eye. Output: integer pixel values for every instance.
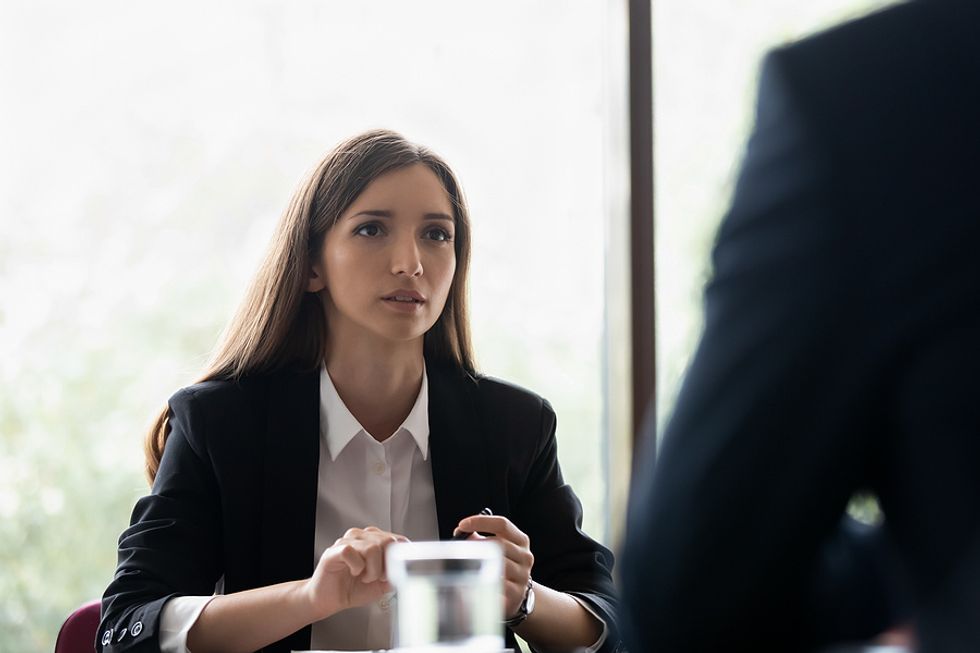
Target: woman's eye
(370, 230)
(439, 234)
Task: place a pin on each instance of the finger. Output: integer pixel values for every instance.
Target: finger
(374, 555)
(485, 523)
(519, 554)
(460, 534)
(383, 541)
(351, 558)
(499, 526)
(373, 532)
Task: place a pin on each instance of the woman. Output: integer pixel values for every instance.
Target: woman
(342, 413)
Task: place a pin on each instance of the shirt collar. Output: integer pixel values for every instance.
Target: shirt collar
(338, 426)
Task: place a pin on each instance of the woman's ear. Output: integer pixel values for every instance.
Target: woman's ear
(316, 282)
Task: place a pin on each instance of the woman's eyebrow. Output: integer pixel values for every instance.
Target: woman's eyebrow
(374, 214)
(389, 214)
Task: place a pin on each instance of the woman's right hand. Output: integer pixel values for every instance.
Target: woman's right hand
(351, 572)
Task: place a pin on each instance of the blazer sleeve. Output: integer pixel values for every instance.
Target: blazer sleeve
(171, 546)
(565, 558)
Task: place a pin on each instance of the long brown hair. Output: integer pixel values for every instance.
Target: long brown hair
(278, 323)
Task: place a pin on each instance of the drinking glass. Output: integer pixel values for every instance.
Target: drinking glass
(448, 595)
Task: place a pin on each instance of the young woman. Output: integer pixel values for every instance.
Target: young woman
(341, 413)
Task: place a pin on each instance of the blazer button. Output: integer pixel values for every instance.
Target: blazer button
(137, 628)
(106, 637)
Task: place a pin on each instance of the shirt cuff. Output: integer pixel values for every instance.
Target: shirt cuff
(605, 628)
(179, 614)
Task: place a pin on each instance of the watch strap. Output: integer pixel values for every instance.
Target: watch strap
(523, 610)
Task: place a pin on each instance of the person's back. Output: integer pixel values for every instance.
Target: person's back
(839, 352)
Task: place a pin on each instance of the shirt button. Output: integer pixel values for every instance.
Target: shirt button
(379, 468)
(384, 604)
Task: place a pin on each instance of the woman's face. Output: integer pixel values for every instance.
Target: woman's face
(388, 263)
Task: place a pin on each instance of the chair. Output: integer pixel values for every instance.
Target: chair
(77, 634)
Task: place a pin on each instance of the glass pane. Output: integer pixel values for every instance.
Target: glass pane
(706, 62)
(146, 152)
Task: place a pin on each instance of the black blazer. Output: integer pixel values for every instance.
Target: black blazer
(235, 495)
(840, 353)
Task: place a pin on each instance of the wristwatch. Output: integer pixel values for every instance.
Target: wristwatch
(525, 609)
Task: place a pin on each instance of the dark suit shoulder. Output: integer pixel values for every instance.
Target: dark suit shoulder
(217, 397)
(219, 409)
(520, 421)
(217, 391)
(500, 395)
(888, 58)
(895, 31)
(890, 100)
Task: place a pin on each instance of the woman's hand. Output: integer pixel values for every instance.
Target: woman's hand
(516, 547)
(348, 574)
(351, 572)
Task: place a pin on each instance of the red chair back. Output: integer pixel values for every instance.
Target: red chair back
(77, 634)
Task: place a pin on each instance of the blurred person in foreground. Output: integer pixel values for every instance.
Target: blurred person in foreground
(840, 353)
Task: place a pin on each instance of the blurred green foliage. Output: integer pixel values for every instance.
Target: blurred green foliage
(73, 402)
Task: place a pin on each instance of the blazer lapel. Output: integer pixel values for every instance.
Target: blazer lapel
(458, 448)
(292, 450)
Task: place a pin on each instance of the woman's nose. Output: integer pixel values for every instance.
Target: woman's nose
(406, 259)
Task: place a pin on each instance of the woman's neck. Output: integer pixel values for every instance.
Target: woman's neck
(378, 384)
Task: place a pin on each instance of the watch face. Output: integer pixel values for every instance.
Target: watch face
(530, 601)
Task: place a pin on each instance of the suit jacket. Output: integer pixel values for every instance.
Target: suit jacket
(839, 353)
(235, 495)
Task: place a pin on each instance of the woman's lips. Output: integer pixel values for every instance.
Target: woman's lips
(405, 295)
(402, 298)
(404, 301)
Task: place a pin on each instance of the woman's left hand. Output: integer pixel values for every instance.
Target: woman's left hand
(516, 547)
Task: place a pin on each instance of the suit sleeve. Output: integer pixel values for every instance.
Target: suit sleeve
(565, 558)
(171, 546)
(768, 439)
